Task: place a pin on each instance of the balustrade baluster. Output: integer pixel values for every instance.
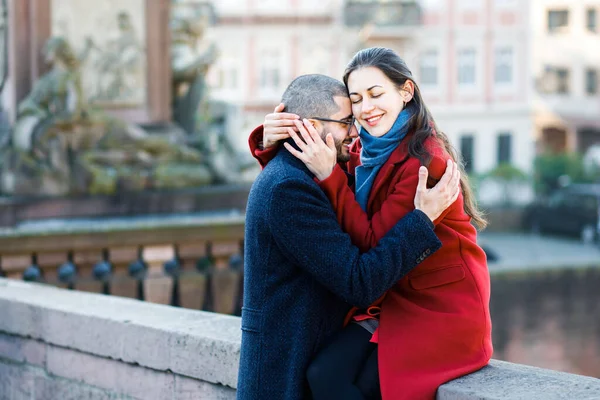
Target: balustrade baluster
(158, 287)
(103, 271)
(67, 272)
(33, 273)
(138, 270)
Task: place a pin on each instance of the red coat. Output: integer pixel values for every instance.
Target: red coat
(435, 323)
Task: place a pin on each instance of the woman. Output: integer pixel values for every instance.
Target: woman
(434, 325)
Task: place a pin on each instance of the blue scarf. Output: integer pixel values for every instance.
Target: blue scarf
(375, 152)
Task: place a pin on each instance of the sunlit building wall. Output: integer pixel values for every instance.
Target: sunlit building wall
(265, 44)
(470, 57)
(566, 65)
(472, 60)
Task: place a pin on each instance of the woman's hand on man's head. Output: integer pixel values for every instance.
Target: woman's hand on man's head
(319, 156)
(275, 126)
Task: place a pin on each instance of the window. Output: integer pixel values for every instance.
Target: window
(503, 72)
(591, 81)
(429, 68)
(591, 20)
(269, 72)
(466, 67)
(558, 20)
(562, 76)
(504, 148)
(555, 80)
(467, 143)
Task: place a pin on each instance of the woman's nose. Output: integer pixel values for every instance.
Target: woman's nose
(367, 106)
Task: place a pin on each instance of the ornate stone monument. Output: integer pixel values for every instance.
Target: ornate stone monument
(63, 145)
(94, 120)
(204, 120)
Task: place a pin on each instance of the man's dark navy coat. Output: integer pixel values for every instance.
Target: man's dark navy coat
(302, 273)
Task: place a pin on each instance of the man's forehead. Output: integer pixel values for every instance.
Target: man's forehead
(345, 106)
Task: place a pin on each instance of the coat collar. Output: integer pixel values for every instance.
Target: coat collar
(289, 158)
(399, 156)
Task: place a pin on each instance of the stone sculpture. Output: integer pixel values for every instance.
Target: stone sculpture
(204, 120)
(62, 145)
(118, 66)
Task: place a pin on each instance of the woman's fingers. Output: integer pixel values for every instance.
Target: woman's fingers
(298, 154)
(299, 142)
(313, 132)
(280, 122)
(278, 131)
(305, 135)
(280, 136)
(280, 115)
(279, 108)
(330, 142)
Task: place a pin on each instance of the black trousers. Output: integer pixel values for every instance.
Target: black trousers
(347, 368)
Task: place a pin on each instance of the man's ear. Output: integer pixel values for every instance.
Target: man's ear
(317, 124)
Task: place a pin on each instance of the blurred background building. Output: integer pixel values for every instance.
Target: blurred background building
(506, 79)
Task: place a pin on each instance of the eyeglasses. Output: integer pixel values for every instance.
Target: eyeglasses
(350, 122)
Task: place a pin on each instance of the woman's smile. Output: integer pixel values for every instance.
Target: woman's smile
(374, 120)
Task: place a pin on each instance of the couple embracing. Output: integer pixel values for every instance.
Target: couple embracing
(363, 277)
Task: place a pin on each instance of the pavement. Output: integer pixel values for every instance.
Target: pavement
(521, 251)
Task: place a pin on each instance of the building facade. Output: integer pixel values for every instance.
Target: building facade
(470, 58)
(263, 45)
(566, 65)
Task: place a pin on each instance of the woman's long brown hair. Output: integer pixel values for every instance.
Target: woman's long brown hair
(422, 124)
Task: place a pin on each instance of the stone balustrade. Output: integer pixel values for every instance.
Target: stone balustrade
(191, 260)
(62, 344)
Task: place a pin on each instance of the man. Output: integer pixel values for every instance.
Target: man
(302, 272)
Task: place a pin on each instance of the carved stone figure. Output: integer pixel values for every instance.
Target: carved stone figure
(119, 62)
(190, 61)
(205, 121)
(62, 145)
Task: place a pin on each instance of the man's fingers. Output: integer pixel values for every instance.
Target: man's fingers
(423, 174)
(455, 182)
(445, 180)
(455, 196)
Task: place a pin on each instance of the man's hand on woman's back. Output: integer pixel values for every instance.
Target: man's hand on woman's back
(434, 201)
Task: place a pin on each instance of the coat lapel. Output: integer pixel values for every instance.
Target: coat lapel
(399, 156)
(385, 175)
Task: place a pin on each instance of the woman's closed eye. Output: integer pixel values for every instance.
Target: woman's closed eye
(358, 100)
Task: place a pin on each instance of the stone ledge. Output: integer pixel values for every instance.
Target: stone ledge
(502, 380)
(206, 346)
(151, 335)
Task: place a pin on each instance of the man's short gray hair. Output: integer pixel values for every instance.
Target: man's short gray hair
(313, 95)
